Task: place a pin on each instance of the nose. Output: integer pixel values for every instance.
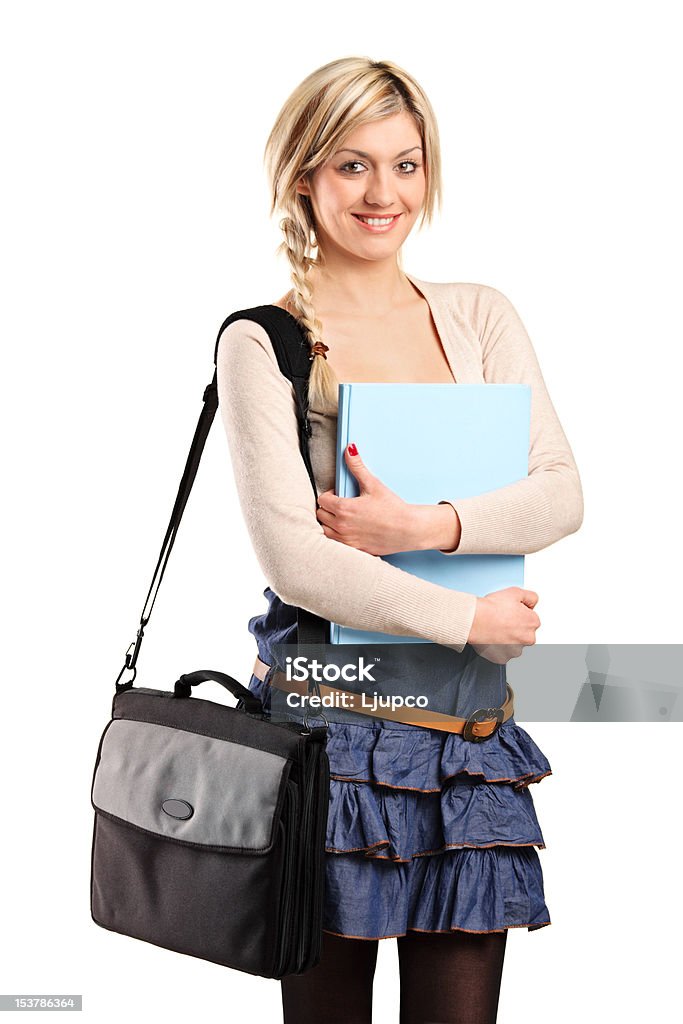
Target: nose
(381, 188)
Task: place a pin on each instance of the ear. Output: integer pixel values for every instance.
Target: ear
(302, 187)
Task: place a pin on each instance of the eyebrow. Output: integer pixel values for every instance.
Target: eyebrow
(359, 152)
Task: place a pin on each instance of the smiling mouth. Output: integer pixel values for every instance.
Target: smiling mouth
(376, 222)
(368, 217)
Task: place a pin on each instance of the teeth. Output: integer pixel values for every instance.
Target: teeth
(376, 221)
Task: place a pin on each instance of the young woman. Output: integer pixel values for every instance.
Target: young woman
(431, 838)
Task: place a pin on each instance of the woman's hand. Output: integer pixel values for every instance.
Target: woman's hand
(377, 521)
(380, 522)
(504, 624)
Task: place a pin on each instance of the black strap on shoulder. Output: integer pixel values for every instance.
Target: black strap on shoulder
(292, 352)
(293, 356)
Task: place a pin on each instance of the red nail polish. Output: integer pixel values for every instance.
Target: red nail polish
(352, 450)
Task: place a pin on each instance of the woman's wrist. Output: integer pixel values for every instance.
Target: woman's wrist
(434, 527)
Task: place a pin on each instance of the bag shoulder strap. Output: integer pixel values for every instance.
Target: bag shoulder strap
(292, 353)
(293, 356)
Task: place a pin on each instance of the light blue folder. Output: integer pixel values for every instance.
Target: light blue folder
(431, 442)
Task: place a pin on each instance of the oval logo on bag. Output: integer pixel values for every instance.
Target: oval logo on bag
(178, 809)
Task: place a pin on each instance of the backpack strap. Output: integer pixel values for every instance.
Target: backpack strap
(292, 352)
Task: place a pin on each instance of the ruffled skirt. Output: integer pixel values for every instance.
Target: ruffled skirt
(430, 832)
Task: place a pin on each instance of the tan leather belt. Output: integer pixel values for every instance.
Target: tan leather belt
(479, 726)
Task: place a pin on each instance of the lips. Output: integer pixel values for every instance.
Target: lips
(377, 229)
(376, 216)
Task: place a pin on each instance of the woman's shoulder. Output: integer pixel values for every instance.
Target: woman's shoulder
(472, 301)
(246, 341)
(461, 291)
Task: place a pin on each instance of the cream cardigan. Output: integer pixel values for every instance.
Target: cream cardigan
(484, 341)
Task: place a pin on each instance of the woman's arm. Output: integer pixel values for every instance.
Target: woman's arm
(303, 566)
(530, 514)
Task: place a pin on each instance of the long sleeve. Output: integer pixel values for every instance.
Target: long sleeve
(532, 513)
(303, 566)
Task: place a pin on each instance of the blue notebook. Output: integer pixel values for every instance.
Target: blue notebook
(431, 442)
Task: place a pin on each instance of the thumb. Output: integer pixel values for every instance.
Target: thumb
(357, 466)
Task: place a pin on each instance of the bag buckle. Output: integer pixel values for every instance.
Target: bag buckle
(479, 717)
(308, 715)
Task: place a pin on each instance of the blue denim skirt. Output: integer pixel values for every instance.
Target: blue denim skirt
(426, 831)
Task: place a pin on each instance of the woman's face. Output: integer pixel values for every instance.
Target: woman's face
(377, 173)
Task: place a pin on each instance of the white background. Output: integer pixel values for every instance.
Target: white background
(135, 219)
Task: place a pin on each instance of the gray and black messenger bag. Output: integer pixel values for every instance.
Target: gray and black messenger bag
(210, 819)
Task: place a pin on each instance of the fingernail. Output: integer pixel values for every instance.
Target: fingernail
(352, 450)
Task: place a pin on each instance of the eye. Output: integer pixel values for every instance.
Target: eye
(413, 164)
(351, 163)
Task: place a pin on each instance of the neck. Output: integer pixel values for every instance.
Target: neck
(378, 287)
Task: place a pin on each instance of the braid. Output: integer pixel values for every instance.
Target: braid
(322, 383)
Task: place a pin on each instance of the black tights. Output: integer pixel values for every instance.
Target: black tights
(446, 978)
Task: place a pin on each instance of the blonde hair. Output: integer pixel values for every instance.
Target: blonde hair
(322, 111)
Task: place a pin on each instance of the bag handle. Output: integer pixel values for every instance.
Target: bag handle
(292, 353)
(250, 702)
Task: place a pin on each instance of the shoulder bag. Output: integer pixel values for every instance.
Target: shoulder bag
(210, 819)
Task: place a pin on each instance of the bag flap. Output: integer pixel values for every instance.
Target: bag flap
(190, 787)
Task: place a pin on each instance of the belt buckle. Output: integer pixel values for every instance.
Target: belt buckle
(478, 716)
